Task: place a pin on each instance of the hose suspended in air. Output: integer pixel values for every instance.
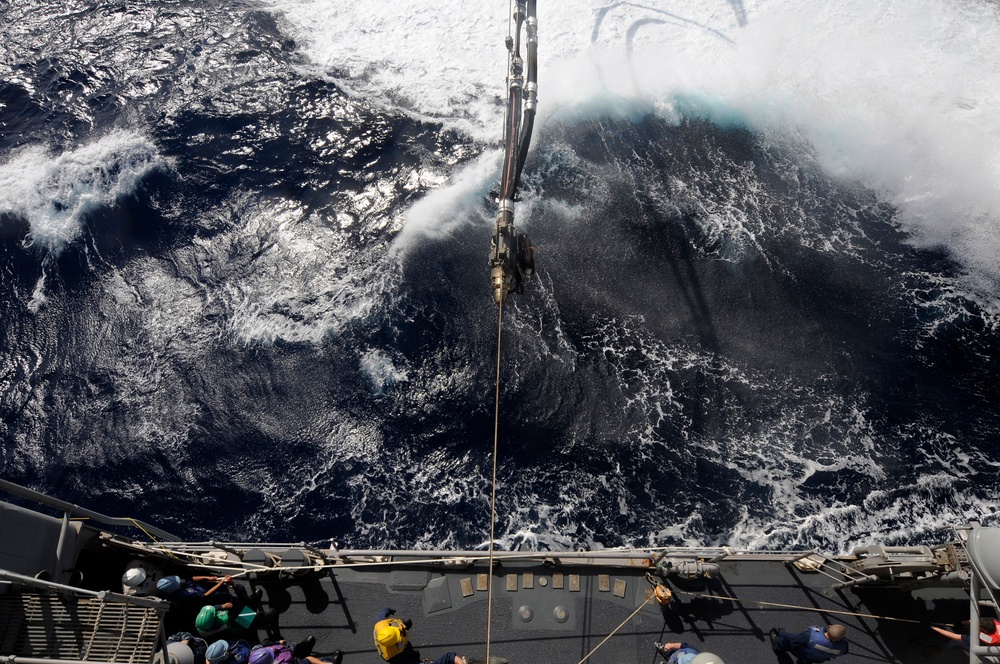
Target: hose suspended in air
(512, 256)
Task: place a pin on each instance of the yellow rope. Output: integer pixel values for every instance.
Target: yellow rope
(493, 493)
(150, 536)
(615, 630)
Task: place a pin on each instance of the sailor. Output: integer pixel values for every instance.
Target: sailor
(186, 648)
(282, 652)
(393, 642)
(989, 633)
(812, 645)
(224, 652)
(180, 590)
(233, 619)
(219, 620)
(682, 653)
(137, 581)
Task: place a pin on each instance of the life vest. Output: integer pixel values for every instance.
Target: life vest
(390, 637)
(682, 656)
(991, 639)
(282, 653)
(821, 648)
(239, 652)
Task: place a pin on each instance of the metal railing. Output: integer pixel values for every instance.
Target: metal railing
(75, 510)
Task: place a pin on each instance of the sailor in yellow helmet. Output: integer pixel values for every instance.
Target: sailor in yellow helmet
(393, 642)
(391, 639)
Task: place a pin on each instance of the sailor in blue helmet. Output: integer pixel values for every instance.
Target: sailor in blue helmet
(179, 590)
(682, 653)
(812, 645)
(224, 652)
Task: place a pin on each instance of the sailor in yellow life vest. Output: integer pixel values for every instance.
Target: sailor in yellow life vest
(393, 643)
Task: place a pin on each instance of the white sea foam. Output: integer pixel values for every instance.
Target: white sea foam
(380, 370)
(897, 94)
(294, 285)
(55, 193)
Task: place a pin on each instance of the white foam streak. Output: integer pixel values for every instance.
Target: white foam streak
(56, 193)
(442, 211)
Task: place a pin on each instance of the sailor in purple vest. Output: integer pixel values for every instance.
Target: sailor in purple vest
(813, 645)
(281, 652)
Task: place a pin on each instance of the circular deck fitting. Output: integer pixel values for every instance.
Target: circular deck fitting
(525, 613)
(543, 581)
(560, 614)
(297, 559)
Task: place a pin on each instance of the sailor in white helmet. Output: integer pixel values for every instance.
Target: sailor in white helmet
(137, 580)
(682, 653)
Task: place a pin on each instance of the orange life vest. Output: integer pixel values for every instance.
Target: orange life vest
(990, 639)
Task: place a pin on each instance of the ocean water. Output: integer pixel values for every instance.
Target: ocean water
(244, 289)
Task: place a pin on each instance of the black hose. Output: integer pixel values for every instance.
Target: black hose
(530, 87)
(513, 132)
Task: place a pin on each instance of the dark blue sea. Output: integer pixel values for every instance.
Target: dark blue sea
(244, 290)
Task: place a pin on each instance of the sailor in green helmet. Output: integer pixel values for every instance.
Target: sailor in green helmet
(234, 618)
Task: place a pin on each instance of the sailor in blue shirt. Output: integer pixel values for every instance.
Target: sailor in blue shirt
(815, 644)
(682, 653)
(180, 590)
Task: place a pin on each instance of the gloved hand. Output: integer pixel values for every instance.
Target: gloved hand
(408, 623)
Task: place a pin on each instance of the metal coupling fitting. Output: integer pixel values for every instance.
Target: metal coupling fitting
(500, 283)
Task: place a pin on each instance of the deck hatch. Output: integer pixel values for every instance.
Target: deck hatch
(54, 627)
(402, 579)
(437, 596)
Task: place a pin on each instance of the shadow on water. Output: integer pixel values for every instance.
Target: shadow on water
(668, 17)
(739, 11)
(659, 18)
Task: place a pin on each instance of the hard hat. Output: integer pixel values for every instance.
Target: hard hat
(177, 653)
(262, 655)
(168, 584)
(206, 618)
(180, 653)
(707, 658)
(133, 577)
(388, 636)
(217, 651)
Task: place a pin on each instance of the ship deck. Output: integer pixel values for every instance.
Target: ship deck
(339, 610)
(555, 607)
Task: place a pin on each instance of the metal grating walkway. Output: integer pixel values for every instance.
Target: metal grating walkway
(50, 626)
